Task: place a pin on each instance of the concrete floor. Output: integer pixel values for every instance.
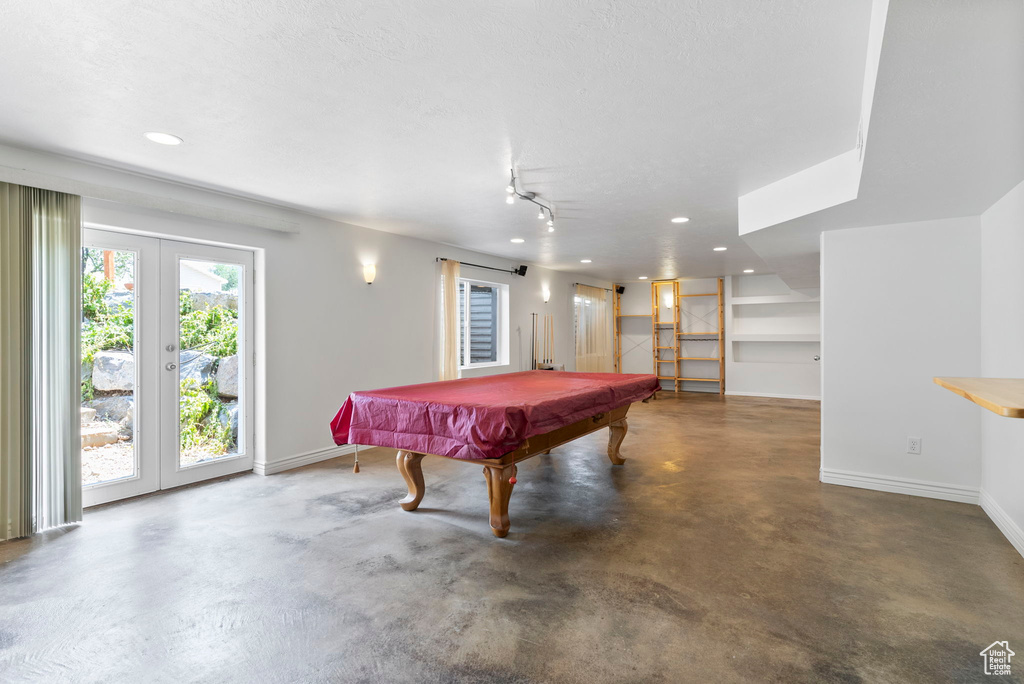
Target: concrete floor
(714, 554)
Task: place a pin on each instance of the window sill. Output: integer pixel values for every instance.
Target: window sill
(475, 366)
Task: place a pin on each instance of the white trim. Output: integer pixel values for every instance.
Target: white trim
(901, 485)
(299, 460)
(771, 396)
(1013, 533)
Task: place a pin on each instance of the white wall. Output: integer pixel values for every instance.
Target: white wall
(771, 368)
(328, 333)
(636, 331)
(322, 332)
(1002, 356)
(768, 369)
(900, 306)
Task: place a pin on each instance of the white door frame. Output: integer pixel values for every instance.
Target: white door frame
(156, 431)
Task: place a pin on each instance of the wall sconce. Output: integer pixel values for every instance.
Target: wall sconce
(369, 273)
(546, 294)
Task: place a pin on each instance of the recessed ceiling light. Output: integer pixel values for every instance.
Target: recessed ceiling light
(163, 138)
(584, 261)
(748, 270)
(517, 240)
(642, 278)
(680, 219)
(721, 249)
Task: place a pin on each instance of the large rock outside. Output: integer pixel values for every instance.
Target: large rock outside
(227, 377)
(201, 301)
(113, 371)
(197, 366)
(116, 408)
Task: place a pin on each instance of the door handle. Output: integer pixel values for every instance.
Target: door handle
(171, 366)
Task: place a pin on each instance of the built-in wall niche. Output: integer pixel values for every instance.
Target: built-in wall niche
(784, 318)
(774, 338)
(779, 352)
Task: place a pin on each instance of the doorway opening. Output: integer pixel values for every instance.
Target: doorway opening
(167, 360)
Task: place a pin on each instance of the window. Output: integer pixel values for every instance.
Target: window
(483, 324)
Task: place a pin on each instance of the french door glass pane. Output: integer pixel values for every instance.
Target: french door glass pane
(208, 370)
(108, 366)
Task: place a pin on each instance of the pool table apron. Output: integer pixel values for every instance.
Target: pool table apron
(500, 473)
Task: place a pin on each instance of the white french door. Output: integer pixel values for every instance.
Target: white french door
(167, 352)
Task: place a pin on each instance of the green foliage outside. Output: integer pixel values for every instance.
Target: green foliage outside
(201, 427)
(213, 331)
(104, 326)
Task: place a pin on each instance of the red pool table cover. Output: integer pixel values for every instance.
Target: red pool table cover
(476, 418)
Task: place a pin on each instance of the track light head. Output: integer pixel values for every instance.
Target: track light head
(510, 199)
(541, 215)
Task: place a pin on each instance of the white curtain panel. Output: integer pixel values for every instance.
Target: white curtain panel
(56, 227)
(449, 320)
(15, 360)
(593, 330)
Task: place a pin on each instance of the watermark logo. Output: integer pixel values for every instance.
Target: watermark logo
(997, 658)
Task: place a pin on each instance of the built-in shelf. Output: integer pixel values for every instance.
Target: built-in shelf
(795, 298)
(809, 337)
(1004, 396)
(634, 315)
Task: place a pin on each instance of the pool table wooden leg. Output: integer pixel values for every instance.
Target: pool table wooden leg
(616, 433)
(409, 466)
(499, 491)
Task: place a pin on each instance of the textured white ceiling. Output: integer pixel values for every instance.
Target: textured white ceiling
(405, 116)
(947, 128)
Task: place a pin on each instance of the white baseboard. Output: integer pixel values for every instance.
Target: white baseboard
(299, 460)
(900, 485)
(771, 396)
(1011, 530)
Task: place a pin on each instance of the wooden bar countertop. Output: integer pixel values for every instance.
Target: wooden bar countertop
(1004, 396)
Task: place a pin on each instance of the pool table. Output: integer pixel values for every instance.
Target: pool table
(494, 421)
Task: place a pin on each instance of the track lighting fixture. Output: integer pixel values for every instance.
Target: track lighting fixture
(514, 192)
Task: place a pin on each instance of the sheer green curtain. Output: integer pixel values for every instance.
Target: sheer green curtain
(15, 360)
(593, 330)
(40, 461)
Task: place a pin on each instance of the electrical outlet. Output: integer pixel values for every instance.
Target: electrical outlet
(913, 445)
